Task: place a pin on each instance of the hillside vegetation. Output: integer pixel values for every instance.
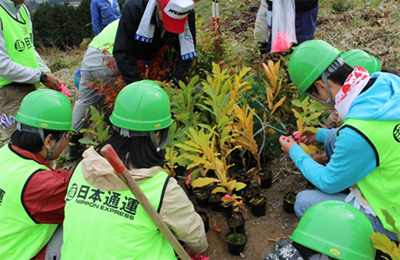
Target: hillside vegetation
(373, 26)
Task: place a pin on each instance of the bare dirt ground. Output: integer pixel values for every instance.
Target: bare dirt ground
(275, 224)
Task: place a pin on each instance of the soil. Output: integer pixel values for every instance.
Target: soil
(262, 232)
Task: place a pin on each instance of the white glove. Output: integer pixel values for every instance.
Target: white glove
(6, 122)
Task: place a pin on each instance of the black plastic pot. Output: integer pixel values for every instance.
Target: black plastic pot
(236, 223)
(236, 243)
(215, 202)
(266, 180)
(228, 211)
(202, 198)
(259, 209)
(189, 189)
(288, 202)
(250, 193)
(205, 219)
(180, 170)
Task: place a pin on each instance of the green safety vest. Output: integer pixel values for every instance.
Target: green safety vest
(105, 39)
(18, 40)
(381, 187)
(102, 224)
(21, 237)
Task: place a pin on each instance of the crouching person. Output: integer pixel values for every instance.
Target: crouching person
(31, 192)
(103, 220)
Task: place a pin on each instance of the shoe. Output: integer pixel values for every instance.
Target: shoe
(75, 149)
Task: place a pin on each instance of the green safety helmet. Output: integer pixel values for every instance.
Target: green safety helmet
(308, 61)
(142, 106)
(336, 229)
(362, 59)
(46, 109)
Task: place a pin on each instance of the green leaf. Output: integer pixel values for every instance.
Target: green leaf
(87, 141)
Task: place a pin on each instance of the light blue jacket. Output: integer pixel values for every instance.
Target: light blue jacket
(103, 13)
(353, 157)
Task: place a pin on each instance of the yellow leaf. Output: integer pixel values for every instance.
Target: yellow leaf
(382, 242)
(230, 186)
(201, 182)
(313, 149)
(253, 171)
(270, 131)
(219, 189)
(305, 148)
(311, 129)
(240, 185)
(280, 102)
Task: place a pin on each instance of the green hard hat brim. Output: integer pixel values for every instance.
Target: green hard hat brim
(142, 106)
(303, 96)
(44, 124)
(46, 109)
(140, 126)
(326, 247)
(318, 230)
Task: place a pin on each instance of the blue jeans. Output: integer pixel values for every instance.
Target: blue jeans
(307, 198)
(329, 144)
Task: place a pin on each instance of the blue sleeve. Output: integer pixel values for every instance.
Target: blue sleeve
(95, 13)
(321, 135)
(352, 160)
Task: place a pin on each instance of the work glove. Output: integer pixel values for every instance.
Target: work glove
(6, 122)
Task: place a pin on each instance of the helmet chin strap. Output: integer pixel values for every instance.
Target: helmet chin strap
(330, 100)
(50, 151)
(331, 69)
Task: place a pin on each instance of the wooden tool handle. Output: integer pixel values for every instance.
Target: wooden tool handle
(109, 153)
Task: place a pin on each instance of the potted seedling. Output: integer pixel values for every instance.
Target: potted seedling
(288, 202)
(204, 217)
(250, 193)
(236, 222)
(236, 242)
(231, 204)
(258, 206)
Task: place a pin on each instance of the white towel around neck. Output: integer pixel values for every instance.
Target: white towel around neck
(145, 33)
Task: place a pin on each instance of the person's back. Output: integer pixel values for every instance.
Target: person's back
(21, 68)
(103, 12)
(108, 222)
(146, 27)
(97, 66)
(31, 191)
(102, 218)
